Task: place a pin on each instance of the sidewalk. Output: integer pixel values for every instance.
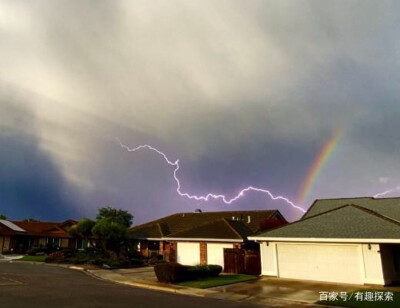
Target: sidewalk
(145, 278)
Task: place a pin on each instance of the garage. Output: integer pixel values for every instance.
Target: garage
(215, 253)
(188, 253)
(321, 262)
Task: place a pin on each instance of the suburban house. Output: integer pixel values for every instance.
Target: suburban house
(201, 237)
(19, 236)
(338, 240)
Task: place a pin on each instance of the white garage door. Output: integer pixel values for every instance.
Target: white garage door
(215, 253)
(333, 263)
(188, 253)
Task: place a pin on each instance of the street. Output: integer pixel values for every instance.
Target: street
(39, 285)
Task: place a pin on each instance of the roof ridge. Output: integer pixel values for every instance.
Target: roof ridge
(301, 220)
(232, 228)
(159, 228)
(369, 211)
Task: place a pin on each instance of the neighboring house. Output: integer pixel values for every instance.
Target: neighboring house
(200, 237)
(19, 236)
(338, 240)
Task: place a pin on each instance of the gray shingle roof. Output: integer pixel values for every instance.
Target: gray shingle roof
(389, 207)
(345, 222)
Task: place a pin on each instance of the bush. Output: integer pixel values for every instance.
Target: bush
(204, 271)
(171, 272)
(175, 272)
(36, 250)
(55, 257)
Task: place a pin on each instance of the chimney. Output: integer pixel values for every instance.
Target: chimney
(197, 210)
(248, 219)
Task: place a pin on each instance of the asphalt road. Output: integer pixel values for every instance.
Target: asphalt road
(40, 286)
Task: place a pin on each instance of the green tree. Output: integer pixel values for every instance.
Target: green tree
(3, 217)
(84, 229)
(115, 215)
(109, 231)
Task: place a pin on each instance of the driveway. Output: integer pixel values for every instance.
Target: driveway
(41, 286)
(293, 290)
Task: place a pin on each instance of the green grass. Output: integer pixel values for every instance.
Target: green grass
(367, 304)
(33, 258)
(221, 280)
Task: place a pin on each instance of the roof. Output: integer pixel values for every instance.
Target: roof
(11, 226)
(247, 223)
(216, 230)
(389, 207)
(345, 222)
(39, 228)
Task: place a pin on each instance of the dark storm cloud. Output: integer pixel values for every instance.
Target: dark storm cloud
(31, 185)
(242, 93)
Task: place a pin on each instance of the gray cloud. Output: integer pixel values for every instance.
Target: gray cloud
(242, 93)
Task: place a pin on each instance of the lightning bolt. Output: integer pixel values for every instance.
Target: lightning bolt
(387, 192)
(209, 196)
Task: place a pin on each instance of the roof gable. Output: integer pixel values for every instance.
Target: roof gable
(345, 222)
(389, 207)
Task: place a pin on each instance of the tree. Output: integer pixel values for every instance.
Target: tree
(3, 217)
(83, 229)
(109, 231)
(118, 216)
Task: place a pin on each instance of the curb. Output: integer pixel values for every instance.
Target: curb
(143, 285)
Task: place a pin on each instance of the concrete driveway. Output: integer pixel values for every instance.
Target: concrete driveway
(284, 289)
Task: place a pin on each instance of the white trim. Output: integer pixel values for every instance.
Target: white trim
(147, 239)
(324, 240)
(202, 240)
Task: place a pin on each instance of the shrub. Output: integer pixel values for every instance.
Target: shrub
(203, 271)
(36, 250)
(55, 257)
(171, 272)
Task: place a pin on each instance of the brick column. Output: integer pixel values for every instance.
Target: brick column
(203, 253)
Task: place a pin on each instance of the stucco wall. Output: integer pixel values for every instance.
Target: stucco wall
(268, 259)
(373, 273)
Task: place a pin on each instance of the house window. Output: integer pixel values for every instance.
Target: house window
(81, 243)
(53, 241)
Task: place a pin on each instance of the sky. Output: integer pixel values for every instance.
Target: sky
(241, 92)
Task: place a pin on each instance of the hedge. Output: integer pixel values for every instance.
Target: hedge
(175, 272)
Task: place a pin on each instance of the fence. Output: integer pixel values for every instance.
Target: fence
(240, 261)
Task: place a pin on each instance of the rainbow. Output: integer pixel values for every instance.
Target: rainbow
(318, 164)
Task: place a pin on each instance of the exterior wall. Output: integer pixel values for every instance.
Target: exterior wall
(203, 253)
(371, 257)
(373, 271)
(6, 243)
(64, 243)
(42, 241)
(144, 248)
(1, 243)
(269, 266)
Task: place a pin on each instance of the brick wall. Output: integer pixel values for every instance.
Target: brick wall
(203, 253)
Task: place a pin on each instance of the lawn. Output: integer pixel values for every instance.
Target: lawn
(221, 280)
(353, 302)
(33, 258)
